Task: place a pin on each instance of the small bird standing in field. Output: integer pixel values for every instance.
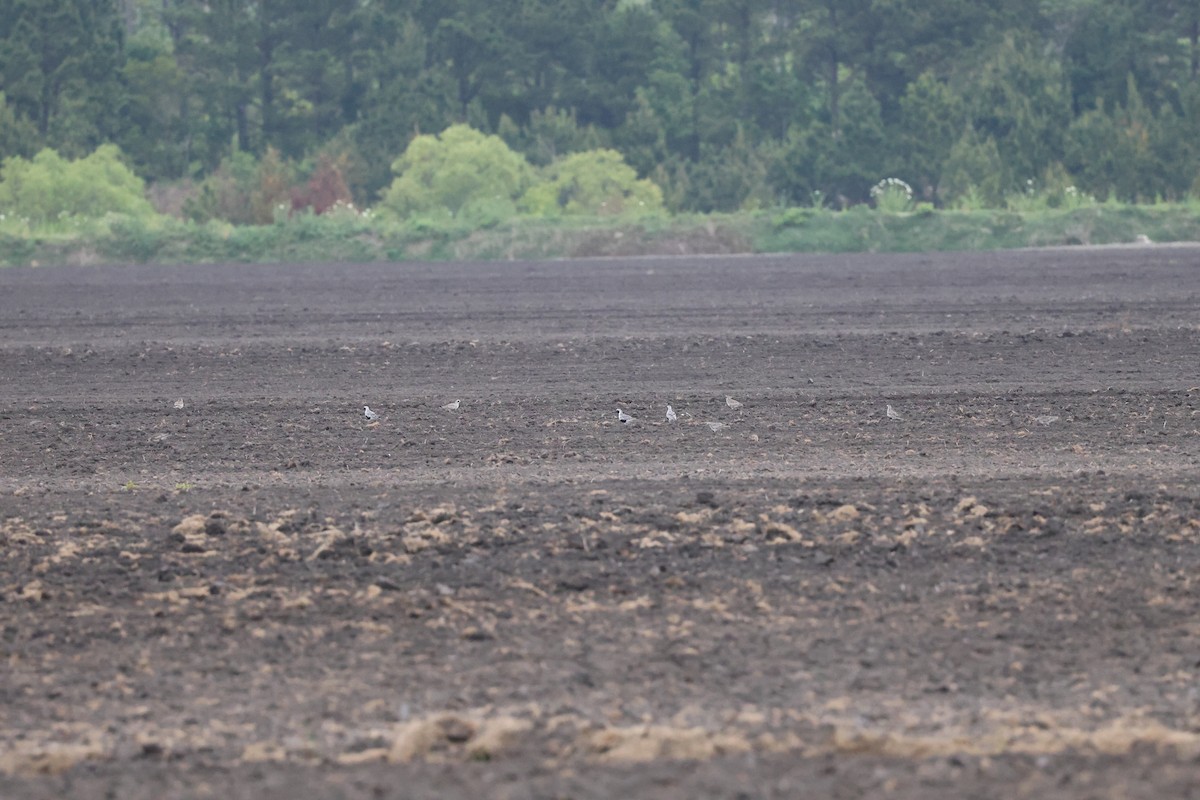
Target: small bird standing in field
(452, 406)
(734, 404)
(179, 403)
(623, 417)
(1046, 419)
(671, 416)
(716, 426)
(893, 413)
(369, 414)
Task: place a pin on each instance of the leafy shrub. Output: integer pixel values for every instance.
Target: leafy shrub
(596, 183)
(49, 189)
(244, 191)
(461, 174)
(972, 174)
(131, 239)
(326, 188)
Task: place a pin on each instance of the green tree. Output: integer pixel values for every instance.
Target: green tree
(310, 84)
(841, 163)
(731, 178)
(1105, 41)
(1019, 100)
(639, 56)
(1121, 152)
(593, 183)
(932, 116)
(1091, 151)
(973, 172)
(60, 63)
(643, 136)
(910, 38)
(461, 174)
(1182, 150)
(841, 35)
(472, 39)
(154, 133)
(214, 46)
(550, 134)
(406, 91)
(18, 136)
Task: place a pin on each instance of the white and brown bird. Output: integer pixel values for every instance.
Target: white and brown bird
(734, 404)
(893, 413)
(369, 414)
(452, 406)
(671, 415)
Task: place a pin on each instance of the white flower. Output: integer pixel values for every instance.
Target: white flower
(891, 185)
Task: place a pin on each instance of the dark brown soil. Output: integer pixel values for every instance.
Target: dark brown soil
(262, 594)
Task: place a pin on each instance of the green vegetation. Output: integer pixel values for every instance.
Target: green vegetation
(460, 175)
(348, 236)
(409, 128)
(594, 183)
(48, 191)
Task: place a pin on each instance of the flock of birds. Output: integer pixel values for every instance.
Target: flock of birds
(625, 419)
(735, 405)
(672, 416)
(622, 417)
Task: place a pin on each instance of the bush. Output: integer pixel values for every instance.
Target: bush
(244, 191)
(49, 189)
(971, 176)
(596, 183)
(326, 188)
(461, 174)
(131, 239)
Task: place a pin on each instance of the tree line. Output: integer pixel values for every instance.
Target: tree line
(724, 104)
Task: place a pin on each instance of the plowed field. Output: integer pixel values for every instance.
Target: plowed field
(219, 579)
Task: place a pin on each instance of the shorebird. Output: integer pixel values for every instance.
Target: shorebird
(179, 403)
(716, 426)
(623, 417)
(369, 414)
(452, 406)
(1045, 419)
(671, 416)
(734, 404)
(893, 413)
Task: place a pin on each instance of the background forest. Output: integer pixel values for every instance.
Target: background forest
(233, 109)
